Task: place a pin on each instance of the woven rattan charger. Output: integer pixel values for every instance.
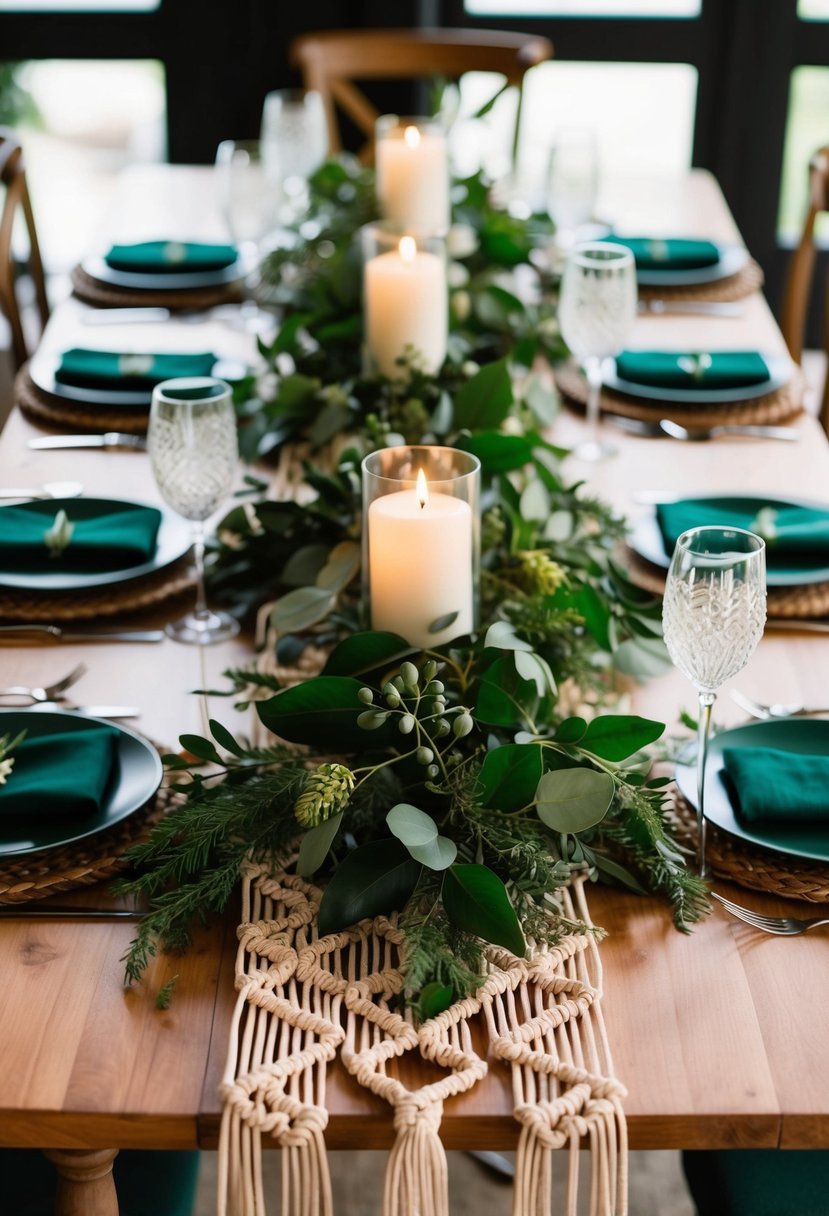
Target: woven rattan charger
(61, 413)
(105, 295)
(737, 286)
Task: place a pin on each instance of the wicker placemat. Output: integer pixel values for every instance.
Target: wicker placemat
(796, 602)
(104, 295)
(772, 408)
(61, 413)
(736, 287)
(751, 866)
(84, 863)
(92, 603)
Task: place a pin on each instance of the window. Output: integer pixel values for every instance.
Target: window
(806, 131)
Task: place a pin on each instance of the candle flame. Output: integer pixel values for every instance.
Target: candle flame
(407, 248)
(411, 136)
(421, 489)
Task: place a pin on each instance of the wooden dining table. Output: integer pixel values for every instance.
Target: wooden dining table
(719, 1035)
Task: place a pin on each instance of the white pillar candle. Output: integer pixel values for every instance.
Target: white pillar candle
(406, 304)
(420, 564)
(413, 180)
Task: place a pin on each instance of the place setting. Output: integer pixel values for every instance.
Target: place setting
(171, 273)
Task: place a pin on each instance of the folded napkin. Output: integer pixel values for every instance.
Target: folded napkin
(669, 253)
(765, 784)
(64, 775)
(127, 372)
(691, 369)
(115, 537)
(792, 534)
(168, 257)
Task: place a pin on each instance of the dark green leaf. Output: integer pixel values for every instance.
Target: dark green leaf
(197, 746)
(616, 736)
(498, 453)
(502, 694)
(476, 901)
(509, 776)
(612, 869)
(377, 878)
(364, 652)
(596, 613)
(434, 998)
(302, 608)
(323, 712)
(315, 845)
(573, 799)
(303, 566)
(224, 738)
(442, 622)
(484, 400)
(571, 730)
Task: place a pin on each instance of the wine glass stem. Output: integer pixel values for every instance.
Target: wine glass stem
(706, 703)
(593, 372)
(201, 610)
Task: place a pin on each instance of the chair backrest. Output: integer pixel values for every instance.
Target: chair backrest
(13, 179)
(332, 60)
(801, 272)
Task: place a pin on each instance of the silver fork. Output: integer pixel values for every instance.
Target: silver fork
(778, 710)
(52, 692)
(783, 926)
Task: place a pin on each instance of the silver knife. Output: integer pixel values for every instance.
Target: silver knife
(111, 439)
(701, 308)
(124, 316)
(80, 635)
(85, 711)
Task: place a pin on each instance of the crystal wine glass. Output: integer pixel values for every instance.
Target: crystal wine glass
(572, 182)
(247, 196)
(713, 615)
(194, 450)
(596, 309)
(294, 142)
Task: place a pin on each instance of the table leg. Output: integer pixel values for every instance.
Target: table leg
(85, 1183)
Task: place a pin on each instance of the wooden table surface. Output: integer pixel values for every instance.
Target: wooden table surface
(718, 1035)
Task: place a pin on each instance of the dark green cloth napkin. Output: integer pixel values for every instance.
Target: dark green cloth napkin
(169, 257)
(765, 784)
(657, 253)
(792, 534)
(116, 537)
(63, 775)
(103, 369)
(693, 369)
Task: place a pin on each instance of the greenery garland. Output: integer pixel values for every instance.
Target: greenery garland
(459, 784)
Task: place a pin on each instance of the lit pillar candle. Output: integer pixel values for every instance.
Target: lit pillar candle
(406, 304)
(420, 564)
(413, 178)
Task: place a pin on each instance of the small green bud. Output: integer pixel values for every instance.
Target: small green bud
(430, 670)
(366, 696)
(424, 755)
(432, 771)
(435, 687)
(389, 689)
(442, 728)
(408, 673)
(406, 724)
(438, 704)
(462, 725)
(393, 699)
(398, 683)
(370, 719)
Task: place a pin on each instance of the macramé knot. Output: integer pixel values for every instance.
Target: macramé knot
(409, 1115)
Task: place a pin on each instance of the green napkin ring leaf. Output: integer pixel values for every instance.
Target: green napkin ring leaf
(58, 537)
(135, 365)
(175, 252)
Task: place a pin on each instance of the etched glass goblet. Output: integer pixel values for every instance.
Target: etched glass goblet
(713, 615)
(194, 451)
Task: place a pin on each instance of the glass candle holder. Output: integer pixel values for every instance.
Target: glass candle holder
(422, 542)
(405, 299)
(412, 166)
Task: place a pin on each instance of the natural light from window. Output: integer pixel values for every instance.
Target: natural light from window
(587, 8)
(806, 131)
(813, 10)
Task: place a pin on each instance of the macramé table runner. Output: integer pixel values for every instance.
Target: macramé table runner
(303, 999)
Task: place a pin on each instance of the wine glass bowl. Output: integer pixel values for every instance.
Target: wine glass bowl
(713, 616)
(572, 182)
(596, 310)
(247, 197)
(294, 142)
(194, 450)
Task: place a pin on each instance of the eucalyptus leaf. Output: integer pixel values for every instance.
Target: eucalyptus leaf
(316, 844)
(443, 622)
(303, 566)
(342, 565)
(377, 878)
(533, 667)
(502, 636)
(617, 736)
(573, 799)
(410, 825)
(301, 608)
(476, 901)
(559, 527)
(437, 854)
(535, 501)
(642, 658)
(331, 419)
(542, 400)
(443, 415)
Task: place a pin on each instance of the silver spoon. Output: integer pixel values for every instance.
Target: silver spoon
(49, 489)
(666, 427)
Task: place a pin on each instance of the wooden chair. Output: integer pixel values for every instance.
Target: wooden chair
(801, 271)
(13, 178)
(331, 61)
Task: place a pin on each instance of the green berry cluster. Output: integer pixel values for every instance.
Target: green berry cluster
(416, 699)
